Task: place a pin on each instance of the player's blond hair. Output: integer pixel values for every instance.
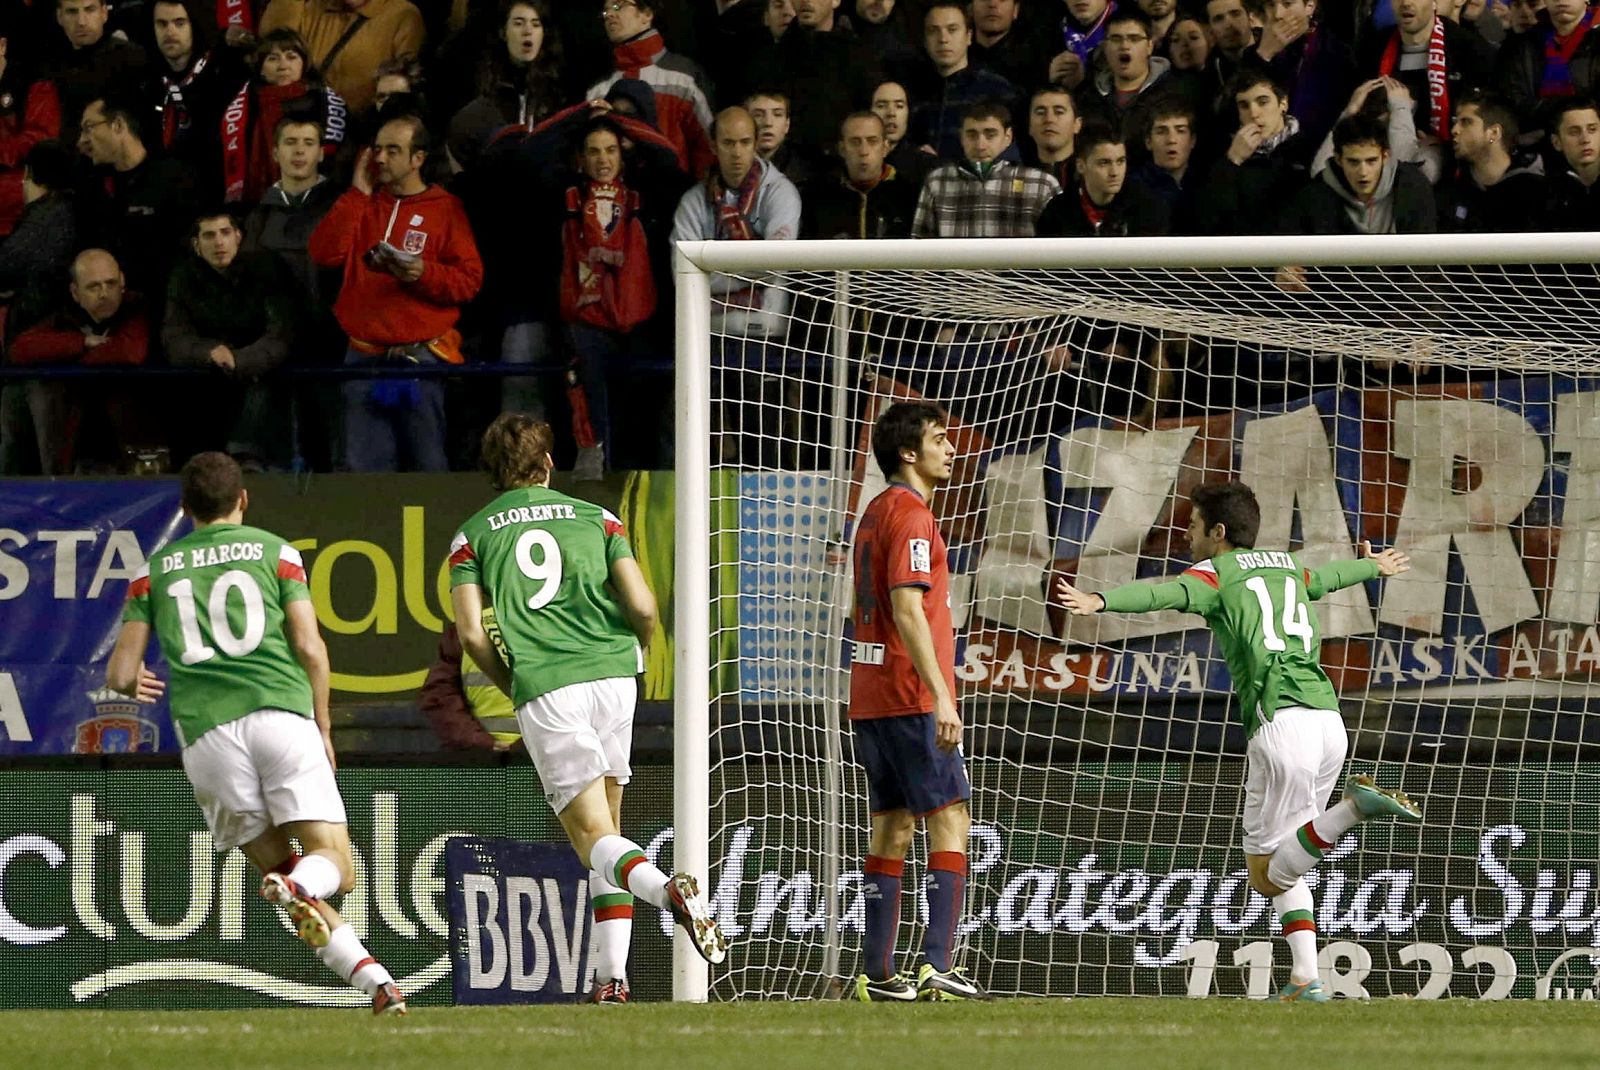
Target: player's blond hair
(516, 451)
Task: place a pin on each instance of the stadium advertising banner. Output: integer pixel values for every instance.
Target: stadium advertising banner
(375, 549)
(111, 895)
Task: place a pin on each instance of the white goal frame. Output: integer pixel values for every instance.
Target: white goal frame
(695, 262)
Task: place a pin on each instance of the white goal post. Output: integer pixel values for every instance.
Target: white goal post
(862, 314)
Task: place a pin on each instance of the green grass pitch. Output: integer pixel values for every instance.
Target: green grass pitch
(1011, 1035)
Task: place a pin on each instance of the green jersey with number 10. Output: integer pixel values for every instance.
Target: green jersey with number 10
(544, 560)
(1257, 604)
(216, 600)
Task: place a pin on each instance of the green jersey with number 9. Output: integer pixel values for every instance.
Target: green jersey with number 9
(543, 559)
(215, 599)
(1257, 603)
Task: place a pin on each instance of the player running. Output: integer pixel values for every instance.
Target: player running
(569, 612)
(903, 709)
(1255, 602)
(230, 608)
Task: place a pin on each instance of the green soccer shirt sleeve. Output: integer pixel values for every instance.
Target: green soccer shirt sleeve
(137, 607)
(1338, 575)
(1195, 591)
(617, 546)
(464, 568)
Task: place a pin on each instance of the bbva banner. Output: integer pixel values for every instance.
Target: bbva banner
(1492, 488)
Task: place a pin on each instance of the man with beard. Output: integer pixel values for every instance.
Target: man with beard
(89, 62)
(1559, 57)
(190, 85)
(1439, 61)
(1163, 16)
(1496, 190)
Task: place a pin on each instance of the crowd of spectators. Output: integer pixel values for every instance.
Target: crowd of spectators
(240, 188)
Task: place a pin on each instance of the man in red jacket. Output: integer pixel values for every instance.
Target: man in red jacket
(409, 264)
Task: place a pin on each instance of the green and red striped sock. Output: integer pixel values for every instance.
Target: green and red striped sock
(1294, 910)
(613, 927)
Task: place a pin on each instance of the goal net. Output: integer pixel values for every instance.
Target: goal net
(1442, 397)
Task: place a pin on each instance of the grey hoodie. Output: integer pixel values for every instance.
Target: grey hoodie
(1370, 217)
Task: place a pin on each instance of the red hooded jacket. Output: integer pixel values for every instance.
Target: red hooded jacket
(378, 309)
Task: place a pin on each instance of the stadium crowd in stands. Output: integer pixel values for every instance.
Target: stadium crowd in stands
(241, 187)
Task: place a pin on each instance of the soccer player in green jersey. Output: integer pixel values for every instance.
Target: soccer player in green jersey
(230, 608)
(571, 613)
(1256, 602)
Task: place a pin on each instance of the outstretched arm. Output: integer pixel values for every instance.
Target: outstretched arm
(1341, 574)
(1129, 598)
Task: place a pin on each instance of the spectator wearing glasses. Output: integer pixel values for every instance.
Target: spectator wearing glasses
(683, 110)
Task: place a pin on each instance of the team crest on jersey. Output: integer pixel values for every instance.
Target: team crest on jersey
(414, 241)
(921, 556)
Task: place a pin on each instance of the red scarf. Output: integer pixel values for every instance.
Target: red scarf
(605, 277)
(1558, 53)
(1438, 87)
(235, 13)
(640, 52)
(248, 169)
(733, 220)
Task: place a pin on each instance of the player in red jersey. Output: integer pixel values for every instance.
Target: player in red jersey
(903, 712)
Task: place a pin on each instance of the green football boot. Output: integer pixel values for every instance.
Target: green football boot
(1372, 801)
(1310, 992)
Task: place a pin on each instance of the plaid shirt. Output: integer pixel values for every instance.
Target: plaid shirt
(956, 203)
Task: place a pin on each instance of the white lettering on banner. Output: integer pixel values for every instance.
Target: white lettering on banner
(14, 930)
(66, 558)
(1575, 588)
(13, 718)
(13, 571)
(1508, 456)
(1139, 468)
(479, 888)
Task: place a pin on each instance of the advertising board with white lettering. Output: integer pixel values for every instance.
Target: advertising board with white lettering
(520, 921)
(111, 895)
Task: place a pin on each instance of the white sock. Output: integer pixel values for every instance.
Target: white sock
(1294, 910)
(317, 876)
(348, 957)
(624, 865)
(613, 928)
(1334, 822)
(1303, 849)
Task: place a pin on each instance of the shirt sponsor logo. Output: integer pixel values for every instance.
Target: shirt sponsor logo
(868, 654)
(921, 556)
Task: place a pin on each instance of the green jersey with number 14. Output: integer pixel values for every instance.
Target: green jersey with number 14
(544, 560)
(215, 599)
(1256, 602)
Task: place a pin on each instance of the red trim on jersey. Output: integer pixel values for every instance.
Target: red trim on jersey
(1200, 574)
(618, 913)
(139, 588)
(614, 527)
(462, 555)
(290, 570)
(1304, 925)
(1307, 573)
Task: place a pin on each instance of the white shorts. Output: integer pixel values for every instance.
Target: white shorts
(580, 733)
(260, 772)
(1294, 763)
